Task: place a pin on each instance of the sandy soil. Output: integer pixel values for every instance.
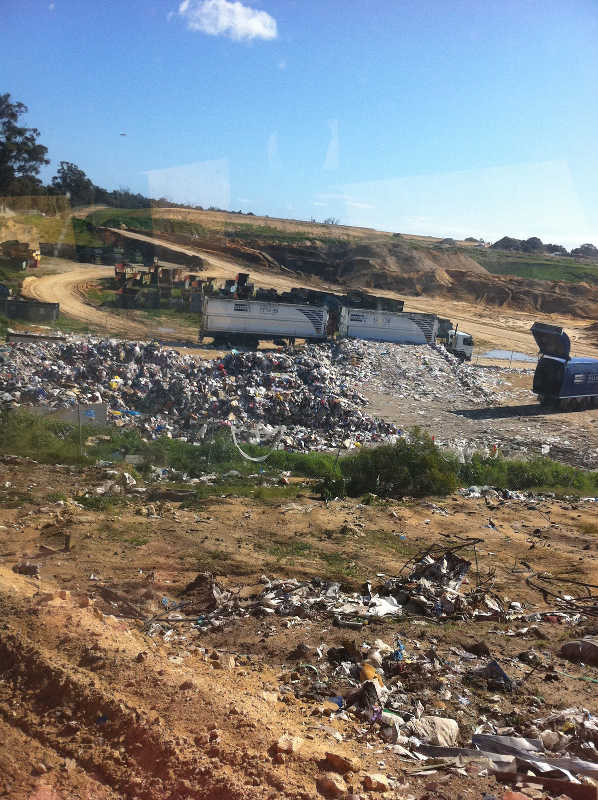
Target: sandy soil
(91, 706)
(64, 288)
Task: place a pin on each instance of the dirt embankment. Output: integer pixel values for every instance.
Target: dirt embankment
(397, 266)
(356, 264)
(548, 297)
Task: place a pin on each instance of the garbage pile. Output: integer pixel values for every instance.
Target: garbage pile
(432, 588)
(307, 399)
(403, 694)
(423, 373)
(313, 399)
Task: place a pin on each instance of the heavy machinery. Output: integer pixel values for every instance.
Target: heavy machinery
(239, 313)
(19, 255)
(460, 344)
(386, 326)
(559, 380)
(457, 342)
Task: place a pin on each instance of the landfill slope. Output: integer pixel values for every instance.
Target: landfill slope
(264, 685)
(395, 265)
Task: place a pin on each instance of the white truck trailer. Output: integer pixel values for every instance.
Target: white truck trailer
(248, 321)
(388, 326)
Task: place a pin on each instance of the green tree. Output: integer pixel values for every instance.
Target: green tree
(21, 155)
(72, 181)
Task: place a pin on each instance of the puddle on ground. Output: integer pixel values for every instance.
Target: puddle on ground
(507, 355)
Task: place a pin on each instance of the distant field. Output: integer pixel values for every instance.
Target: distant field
(539, 267)
(243, 226)
(207, 223)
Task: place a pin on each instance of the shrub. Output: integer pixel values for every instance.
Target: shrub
(536, 473)
(414, 467)
(47, 441)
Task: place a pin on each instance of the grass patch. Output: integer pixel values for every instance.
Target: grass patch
(15, 498)
(392, 543)
(536, 266)
(265, 494)
(212, 561)
(539, 474)
(340, 566)
(410, 468)
(4, 325)
(55, 497)
(145, 221)
(284, 549)
(70, 325)
(588, 528)
(102, 502)
(35, 437)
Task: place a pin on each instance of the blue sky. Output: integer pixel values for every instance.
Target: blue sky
(470, 117)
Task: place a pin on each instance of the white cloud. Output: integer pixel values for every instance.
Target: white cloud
(316, 203)
(282, 64)
(226, 18)
(52, 6)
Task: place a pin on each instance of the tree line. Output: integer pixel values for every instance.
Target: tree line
(22, 157)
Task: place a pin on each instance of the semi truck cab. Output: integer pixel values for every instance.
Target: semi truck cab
(460, 344)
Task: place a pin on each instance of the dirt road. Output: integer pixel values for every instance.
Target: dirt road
(221, 267)
(67, 287)
(63, 288)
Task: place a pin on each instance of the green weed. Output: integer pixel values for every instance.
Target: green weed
(102, 502)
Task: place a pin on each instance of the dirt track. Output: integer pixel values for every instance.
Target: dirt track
(63, 289)
(496, 328)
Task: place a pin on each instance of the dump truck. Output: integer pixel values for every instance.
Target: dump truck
(460, 344)
(247, 322)
(560, 380)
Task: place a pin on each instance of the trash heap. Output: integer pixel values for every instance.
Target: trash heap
(309, 399)
(432, 588)
(304, 398)
(404, 694)
(422, 373)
